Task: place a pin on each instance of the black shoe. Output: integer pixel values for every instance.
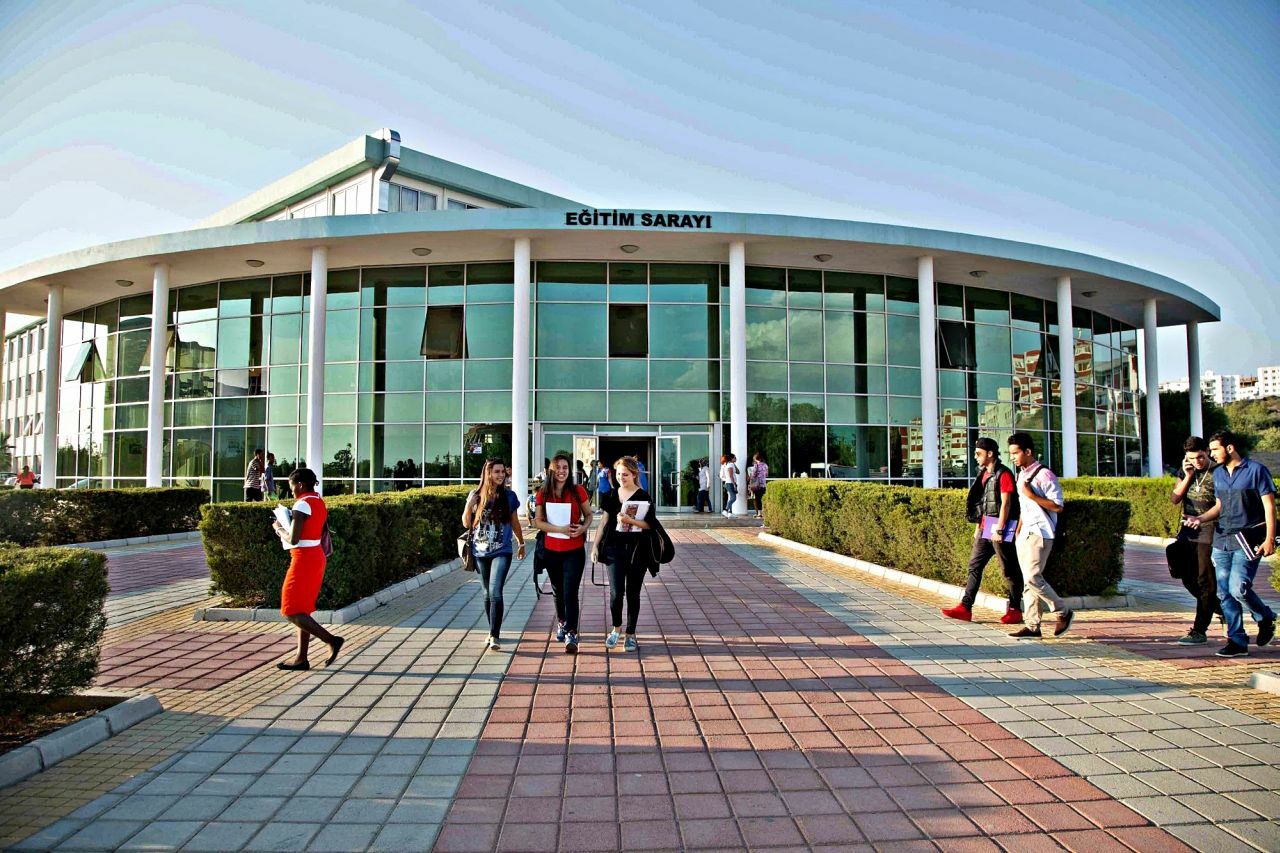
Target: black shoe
(1064, 622)
(1266, 631)
(1027, 634)
(1231, 650)
(294, 667)
(334, 649)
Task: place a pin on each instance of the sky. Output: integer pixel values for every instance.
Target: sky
(1143, 132)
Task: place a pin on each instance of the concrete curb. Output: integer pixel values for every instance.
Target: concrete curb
(985, 599)
(1135, 539)
(1267, 682)
(185, 536)
(44, 752)
(346, 615)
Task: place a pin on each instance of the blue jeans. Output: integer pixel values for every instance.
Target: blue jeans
(732, 490)
(493, 574)
(1235, 572)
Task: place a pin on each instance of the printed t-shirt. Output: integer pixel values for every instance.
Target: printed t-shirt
(1035, 518)
(1198, 500)
(575, 497)
(492, 536)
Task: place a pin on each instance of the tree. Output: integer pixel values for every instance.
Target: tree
(1175, 422)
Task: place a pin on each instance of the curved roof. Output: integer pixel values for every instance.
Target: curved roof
(89, 275)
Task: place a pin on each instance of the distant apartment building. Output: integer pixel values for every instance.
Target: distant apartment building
(21, 421)
(1269, 381)
(1224, 388)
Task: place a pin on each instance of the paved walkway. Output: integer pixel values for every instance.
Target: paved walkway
(777, 702)
(150, 579)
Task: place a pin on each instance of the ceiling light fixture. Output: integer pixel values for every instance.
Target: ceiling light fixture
(422, 251)
(124, 282)
(255, 263)
(1088, 294)
(977, 273)
(822, 259)
(629, 249)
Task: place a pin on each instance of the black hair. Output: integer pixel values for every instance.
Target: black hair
(987, 444)
(304, 477)
(1022, 440)
(1227, 438)
(1195, 444)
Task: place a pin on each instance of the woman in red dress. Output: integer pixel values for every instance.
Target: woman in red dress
(306, 569)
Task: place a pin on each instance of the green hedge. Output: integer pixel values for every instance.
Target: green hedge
(69, 516)
(51, 620)
(378, 540)
(1151, 513)
(924, 532)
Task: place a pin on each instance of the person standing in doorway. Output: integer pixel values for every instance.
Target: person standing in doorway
(1245, 509)
(1040, 501)
(757, 479)
(593, 481)
(603, 484)
(644, 475)
(621, 545)
(994, 507)
(492, 514)
(703, 502)
(1190, 556)
(729, 480)
(305, 540)
(564, 545)
(253, 476)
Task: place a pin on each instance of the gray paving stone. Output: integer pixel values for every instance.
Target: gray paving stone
(399, 837)
(380, 786)
(308, 809)
(1171, 782)
(257, 809)
(276, 785)
(433, 786)
(96, 807)
(1220, 780)
(1216, 807)
(1207, 838)
(163, 835)
(364, 810)
(1163, 811)
(102, 835)
(248, 763)
(284, 836)
(140, 807)
(297, 763)
(48, 838)
(197, 807)
(340, 837)
(224, 784)
(1265, 803)
(1265, 835)
(413, 810)
(223, 836)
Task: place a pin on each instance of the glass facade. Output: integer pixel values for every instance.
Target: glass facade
(418, 372)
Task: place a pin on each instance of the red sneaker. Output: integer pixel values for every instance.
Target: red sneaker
(1012, 617)
(960, 612)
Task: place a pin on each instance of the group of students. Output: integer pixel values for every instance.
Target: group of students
(260, 477)
(757, 480)
(492, 513)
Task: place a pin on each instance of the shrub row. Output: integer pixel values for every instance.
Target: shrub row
(378, 540)
(51, 620)
(68, 516)
(924, 532)
(1150, 511)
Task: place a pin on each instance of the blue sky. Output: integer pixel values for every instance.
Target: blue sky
(1142, 132)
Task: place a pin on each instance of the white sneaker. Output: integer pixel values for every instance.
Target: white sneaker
(494, 645)
(611, 640)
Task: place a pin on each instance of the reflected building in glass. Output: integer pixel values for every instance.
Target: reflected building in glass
(393, 320)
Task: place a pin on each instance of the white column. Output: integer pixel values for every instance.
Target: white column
(4, 386)
(520, 369)
(155, 388)
(928, 371)
(738, 369)
(52, 377)
(1067, 372)
(315, 360)
(1155, 458)
(1193, 375)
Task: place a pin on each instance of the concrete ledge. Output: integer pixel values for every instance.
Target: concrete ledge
(1135, 539)
(984, 600)
(1268, 682)
(344, 616)
(185, 536)
(45, 752)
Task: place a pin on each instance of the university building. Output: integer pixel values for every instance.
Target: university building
(393, 319)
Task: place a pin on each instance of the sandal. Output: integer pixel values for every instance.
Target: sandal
(334, 649)
(294, 667)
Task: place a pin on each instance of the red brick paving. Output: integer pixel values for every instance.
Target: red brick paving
(753, 719)
(189, 660)
(145, 569)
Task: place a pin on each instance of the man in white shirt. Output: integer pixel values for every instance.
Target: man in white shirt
(1039, 502)
(703, 503)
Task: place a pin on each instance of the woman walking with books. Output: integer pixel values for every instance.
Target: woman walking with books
(492, 514)
(306, 538)
(621, 544)
(564, 515)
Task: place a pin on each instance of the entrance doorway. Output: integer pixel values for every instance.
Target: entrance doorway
(668, 458)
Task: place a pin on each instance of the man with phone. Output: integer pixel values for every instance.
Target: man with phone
(1190, 556)
(1245, 509)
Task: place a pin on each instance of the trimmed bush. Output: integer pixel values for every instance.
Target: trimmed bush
(378, 540)
(69, 516)
(1150, 511)
(51, 620)
(924, 532)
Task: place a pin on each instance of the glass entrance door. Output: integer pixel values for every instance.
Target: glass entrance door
(672, 495)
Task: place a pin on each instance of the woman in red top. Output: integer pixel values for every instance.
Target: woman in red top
(306, 568)
(565, 545)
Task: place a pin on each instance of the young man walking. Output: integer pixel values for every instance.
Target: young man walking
(1039, 502)
(993, 505)
(1245, 509)
(1190, 556)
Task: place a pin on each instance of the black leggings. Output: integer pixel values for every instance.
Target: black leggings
(564, 570)
(625, 579)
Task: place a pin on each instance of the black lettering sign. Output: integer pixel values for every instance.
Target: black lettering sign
(593, 218)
